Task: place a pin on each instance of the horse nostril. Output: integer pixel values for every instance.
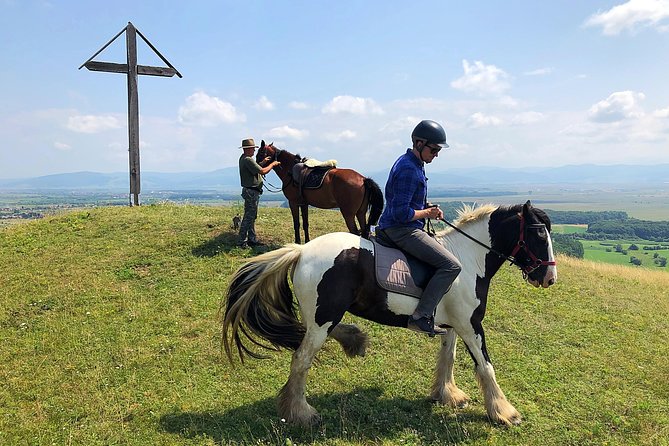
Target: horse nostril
(551, 282)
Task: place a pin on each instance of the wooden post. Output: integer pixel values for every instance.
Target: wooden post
(133, 114)
(132, 70)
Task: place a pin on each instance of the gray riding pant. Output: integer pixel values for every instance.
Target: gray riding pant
(420, 245)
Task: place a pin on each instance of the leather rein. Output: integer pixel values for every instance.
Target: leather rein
(520, 244)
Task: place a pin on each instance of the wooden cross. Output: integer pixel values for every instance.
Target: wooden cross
(132, 70)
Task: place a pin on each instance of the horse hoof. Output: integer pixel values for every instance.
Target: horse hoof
(451, 396)
(513, 419)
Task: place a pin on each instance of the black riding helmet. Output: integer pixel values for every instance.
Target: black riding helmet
(431, 132)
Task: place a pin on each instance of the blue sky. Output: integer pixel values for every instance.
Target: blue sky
(515, 84)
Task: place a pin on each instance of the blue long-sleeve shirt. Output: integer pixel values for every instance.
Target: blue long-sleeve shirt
(406, 192)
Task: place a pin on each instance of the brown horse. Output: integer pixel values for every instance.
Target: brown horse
(345, 189)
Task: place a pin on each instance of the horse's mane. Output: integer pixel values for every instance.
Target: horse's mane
(471, 213)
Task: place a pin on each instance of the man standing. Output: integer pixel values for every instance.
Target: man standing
(402, 222)
(250, 175)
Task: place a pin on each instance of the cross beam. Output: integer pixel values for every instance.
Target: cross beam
(132, 70)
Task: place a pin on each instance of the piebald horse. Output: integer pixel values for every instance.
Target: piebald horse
(334, 273)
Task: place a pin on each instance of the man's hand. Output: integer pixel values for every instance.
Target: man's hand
(434, 212)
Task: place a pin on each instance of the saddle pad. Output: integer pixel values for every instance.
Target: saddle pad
(311, 162)
(314, 179)
(392, 271)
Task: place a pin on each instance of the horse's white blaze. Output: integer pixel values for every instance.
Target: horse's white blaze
(551, 273)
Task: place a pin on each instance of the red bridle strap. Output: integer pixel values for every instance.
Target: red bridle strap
(536, 261)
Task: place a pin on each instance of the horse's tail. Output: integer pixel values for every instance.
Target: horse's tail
(260, 304)
(375, 200)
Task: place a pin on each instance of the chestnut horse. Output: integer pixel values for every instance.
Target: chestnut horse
(334, 274)
(345, 189)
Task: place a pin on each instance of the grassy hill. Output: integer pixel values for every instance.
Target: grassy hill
(108, 321)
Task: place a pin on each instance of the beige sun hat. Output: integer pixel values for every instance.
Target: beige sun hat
(248, 143)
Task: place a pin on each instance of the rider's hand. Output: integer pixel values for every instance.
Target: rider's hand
(267, 159)
(276, 163)
(434, 212)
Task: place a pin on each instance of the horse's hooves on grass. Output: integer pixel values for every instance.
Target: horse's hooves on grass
(512, 420)
(307, 421)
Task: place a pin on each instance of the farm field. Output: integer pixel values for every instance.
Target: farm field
(644, 204)
(604, 250)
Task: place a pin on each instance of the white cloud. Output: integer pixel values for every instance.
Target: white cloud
(618, 106)
(61, 146)
(263, 104)
(288, 132)
(92, 123)
(481, 79)
(529, 117)
(203, 110)
(479, 119)
(353, 105)
(296, 105)
(661, 113)
(400, 124)
(343, 135)
(631, 15)
(539, 72)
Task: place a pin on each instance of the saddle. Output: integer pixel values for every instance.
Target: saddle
(310, 174)
(399, 272)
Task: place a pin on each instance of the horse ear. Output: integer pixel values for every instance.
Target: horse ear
(262, 143)
(526, 207)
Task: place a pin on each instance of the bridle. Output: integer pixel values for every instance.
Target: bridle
(536, 261)
(269, 186)
(520, 245)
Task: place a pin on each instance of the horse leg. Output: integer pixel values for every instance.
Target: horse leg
(349, 218)
(499, 409)
(352, 339)
(305, 221)
(293, 406)
(361, 215)
(444, 390)
(295, 212)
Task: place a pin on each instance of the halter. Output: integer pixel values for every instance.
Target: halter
(536, 262)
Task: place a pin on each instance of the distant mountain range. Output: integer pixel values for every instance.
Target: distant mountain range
(227, 179)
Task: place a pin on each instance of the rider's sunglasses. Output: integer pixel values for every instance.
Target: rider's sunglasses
(434, 149)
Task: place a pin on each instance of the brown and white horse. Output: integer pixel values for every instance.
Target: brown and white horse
(334, 274)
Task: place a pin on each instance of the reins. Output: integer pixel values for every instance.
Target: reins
(520, 244)
(489, 248)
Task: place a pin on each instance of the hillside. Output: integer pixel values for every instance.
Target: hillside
(110, 336)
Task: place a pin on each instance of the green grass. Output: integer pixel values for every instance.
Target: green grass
(597, 251)
(569, 229)
(110, 336)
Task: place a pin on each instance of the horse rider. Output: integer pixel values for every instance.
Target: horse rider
(403, 221)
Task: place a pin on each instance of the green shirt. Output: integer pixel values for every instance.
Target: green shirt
(249, 172)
